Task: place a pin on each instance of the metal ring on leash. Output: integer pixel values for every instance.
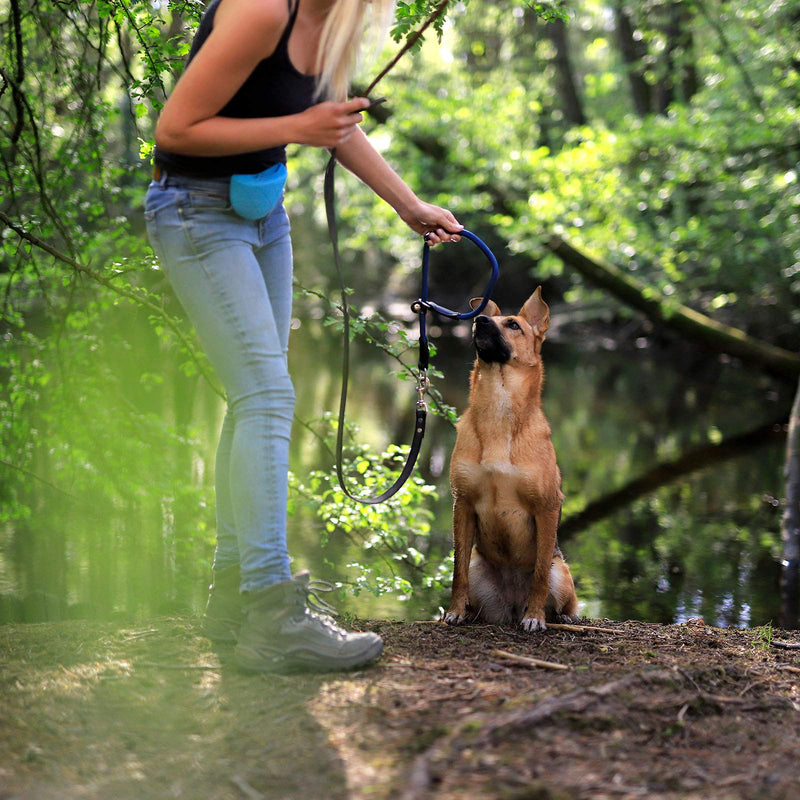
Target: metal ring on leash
(425, 304)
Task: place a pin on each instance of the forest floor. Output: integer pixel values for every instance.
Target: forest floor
(151, 711)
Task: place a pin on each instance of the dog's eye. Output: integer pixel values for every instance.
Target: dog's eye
(513, 325)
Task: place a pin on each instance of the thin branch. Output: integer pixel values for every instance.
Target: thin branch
(562, 626)
(36, 477)
(755, 97)
(36, 162)
(129, 294)
(527, 661)
(146, 48)
(410, 42)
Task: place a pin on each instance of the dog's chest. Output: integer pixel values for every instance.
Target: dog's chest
(506, 465)
(495, 475)
(496, 435)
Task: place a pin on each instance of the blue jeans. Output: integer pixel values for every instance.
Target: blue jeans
(233, 278)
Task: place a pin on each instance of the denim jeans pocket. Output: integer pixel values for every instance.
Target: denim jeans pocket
(160, 197)
(199, 201)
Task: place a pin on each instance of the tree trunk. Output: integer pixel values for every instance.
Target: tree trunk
(679, 81)
(633, 52)
(790, 575)
(567, 85)
(686, 321)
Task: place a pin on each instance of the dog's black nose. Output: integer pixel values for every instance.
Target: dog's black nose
(489, 341)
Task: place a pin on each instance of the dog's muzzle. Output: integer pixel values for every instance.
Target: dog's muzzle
(489, 341)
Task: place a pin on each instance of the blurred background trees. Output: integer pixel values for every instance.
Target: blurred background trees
(659, 136)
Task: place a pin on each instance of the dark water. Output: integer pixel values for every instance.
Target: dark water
(120, 513)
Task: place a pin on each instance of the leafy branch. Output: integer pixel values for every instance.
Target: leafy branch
(377, 331)
(138, 296)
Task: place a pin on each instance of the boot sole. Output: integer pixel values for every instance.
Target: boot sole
(249, 660)
(219, 633)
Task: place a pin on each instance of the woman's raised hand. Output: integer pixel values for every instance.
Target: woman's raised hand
(330, 123)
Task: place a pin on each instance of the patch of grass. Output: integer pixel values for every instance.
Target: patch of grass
(763, 637)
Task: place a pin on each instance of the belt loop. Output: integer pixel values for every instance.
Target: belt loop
(159, 175)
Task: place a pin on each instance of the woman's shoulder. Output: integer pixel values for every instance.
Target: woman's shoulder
(260, 15)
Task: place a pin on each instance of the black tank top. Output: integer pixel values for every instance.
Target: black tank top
(275, 88)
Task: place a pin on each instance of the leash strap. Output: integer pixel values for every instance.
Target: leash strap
(422, 408)
(419, 307)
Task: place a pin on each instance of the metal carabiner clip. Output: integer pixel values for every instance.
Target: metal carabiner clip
(423, 384)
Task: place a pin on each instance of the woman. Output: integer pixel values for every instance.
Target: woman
(261, 74)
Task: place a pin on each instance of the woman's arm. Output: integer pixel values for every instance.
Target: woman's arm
(360, 157)
(245, 32)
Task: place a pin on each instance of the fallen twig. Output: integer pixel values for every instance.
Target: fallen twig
(527, 661)
(559, 626)
(785, 645)
(156, 665)
(611, 788)
(246, 789)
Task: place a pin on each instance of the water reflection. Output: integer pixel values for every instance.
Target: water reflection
(701, 545)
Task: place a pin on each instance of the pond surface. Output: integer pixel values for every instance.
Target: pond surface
(695, 531)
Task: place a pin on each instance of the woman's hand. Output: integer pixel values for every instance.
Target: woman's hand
(329, 124)
(435, 223)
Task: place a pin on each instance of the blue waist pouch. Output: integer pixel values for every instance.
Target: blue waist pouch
(254, 196)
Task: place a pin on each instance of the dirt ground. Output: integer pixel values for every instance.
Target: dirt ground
(90, 710)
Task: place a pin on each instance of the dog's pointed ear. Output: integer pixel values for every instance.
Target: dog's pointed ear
(536, 311)
(491, 309)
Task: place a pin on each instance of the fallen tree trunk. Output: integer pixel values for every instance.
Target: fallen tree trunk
(686, 321)
(790, 574)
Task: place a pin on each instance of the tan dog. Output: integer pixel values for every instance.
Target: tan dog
(505, 482)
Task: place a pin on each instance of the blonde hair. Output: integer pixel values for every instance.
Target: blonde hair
(340, 42)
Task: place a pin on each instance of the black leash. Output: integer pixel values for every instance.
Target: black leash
(419, 307)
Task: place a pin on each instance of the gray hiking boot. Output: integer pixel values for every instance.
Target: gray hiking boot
(223, 616)
(280, 633)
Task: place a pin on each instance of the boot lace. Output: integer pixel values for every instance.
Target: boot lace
(317, 603)
(314, 606)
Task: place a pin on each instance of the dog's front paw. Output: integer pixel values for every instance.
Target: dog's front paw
(454, 618)
(566, 619)
(530, 624)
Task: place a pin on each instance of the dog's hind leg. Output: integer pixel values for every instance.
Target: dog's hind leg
(562, 603)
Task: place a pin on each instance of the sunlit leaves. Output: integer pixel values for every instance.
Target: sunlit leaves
(389, 544)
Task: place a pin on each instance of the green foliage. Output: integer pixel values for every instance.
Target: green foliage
(701, 201)
(409, 16)
(390, 543)
(107, 405)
